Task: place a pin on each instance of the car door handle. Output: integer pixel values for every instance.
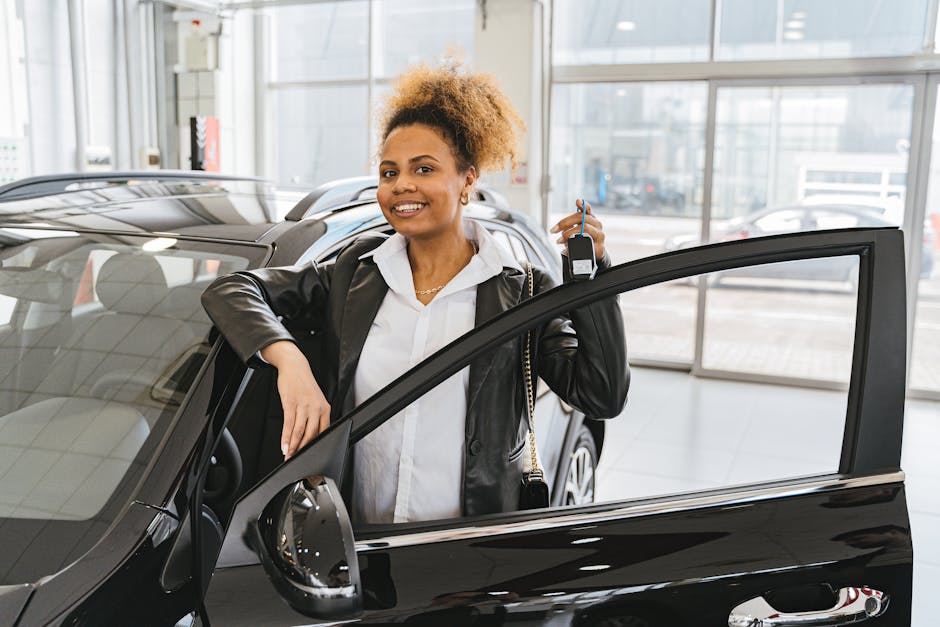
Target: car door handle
(853, 605)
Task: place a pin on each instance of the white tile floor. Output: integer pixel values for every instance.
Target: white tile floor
(682, 433)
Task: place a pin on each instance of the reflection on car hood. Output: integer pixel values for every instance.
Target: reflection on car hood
(225, 211)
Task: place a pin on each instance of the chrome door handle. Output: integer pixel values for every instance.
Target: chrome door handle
(853, 605)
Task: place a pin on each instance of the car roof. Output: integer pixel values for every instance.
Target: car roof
(182, 203)
(196, 204)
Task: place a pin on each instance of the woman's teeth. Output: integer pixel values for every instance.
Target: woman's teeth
(409, 208)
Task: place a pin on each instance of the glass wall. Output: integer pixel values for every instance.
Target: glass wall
(13, 101)
(324, 63)
(808, 29)
(788, 154)
(925, 356)
(430, 29)
(799, 158)
(827, 144)
(630, 31)
(635, 152)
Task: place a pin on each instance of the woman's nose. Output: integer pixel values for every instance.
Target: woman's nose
(404, 184)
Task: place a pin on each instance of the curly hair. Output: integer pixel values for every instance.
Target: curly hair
(470, 109)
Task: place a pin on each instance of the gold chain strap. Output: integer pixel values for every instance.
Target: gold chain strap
(530, 392)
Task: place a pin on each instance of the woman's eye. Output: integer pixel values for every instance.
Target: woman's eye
(387, 174)
(425, 169)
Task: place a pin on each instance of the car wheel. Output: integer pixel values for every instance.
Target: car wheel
(582, 464)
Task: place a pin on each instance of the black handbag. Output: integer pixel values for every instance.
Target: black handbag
(534, 493)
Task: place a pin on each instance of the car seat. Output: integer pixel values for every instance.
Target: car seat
(119, 352)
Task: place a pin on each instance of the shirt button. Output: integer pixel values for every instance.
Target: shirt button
(475, 447)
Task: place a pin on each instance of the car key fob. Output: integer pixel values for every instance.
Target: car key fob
(581, 252)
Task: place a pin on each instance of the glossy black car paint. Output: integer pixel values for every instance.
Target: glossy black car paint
(680, 565)
(673, 570)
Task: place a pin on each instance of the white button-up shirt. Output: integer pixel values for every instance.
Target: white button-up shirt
(411, 467)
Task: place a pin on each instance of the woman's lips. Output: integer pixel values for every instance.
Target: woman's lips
(407, 209)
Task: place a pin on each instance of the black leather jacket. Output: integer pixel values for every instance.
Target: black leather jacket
(583, 359)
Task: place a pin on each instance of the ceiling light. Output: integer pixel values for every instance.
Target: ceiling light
(793, 35)
(596, 567)
(796, 24)
(621, 92)
(798, 15)
(626, 25)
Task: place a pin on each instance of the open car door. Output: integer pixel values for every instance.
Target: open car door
(824, 549)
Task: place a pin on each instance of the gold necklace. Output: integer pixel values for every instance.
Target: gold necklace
(435, 290)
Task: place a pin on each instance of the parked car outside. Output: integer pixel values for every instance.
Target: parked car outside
(142, 482)
(814, 213)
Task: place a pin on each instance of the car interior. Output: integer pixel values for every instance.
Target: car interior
(100, 346)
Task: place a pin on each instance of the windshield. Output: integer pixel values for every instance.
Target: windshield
(101, 338)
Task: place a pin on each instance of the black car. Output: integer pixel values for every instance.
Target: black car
(140, 475)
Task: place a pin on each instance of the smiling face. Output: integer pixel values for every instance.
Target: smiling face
(420, 182)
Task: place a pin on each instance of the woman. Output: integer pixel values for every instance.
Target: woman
(384, 305)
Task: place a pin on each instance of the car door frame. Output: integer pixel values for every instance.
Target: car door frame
(874, 415)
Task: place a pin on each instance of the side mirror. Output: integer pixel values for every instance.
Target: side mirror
(305, 541)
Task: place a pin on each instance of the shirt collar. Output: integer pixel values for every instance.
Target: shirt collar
(391, 257)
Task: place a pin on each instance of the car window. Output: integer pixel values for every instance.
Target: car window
(106, 338)
(766, 325)
(679, 433)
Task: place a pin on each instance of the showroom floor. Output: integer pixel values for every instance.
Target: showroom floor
(682, 433)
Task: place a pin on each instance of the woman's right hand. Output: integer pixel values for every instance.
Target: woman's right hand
(306, 410)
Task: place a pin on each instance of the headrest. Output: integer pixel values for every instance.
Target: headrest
(131, 283)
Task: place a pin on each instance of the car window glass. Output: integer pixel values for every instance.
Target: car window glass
(106, 340)
(780, 221)
(679, 433)
(110, 341)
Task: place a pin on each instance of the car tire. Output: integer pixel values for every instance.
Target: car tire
(581, 471)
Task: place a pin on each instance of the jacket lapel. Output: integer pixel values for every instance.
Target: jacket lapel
(366, 291)
(494, 296)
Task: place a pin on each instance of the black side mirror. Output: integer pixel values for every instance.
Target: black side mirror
(305, 541)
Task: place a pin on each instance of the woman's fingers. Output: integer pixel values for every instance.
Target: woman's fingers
(574, 220)
(290, 414)
(297, 433)
(316, 424)
(592, 226)
(570, 226)
(305, 407)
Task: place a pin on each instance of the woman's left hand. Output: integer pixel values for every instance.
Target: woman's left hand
(571, 225)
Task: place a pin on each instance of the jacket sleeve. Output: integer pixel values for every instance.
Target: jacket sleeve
(247, 307)
(583, 359)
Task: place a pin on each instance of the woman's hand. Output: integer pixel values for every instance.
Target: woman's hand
(571, 225)
(306, 411)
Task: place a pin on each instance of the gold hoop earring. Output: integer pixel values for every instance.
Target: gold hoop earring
(465, 199)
